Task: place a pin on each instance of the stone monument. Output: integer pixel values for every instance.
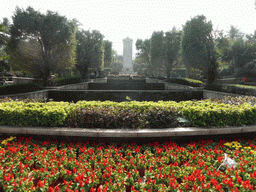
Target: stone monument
(127, 57)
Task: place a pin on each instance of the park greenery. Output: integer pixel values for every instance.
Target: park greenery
(42, 44)
(130, 114)
(205, 53)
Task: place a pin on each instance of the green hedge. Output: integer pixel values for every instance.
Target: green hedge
(186, 81)
(233, 88)
(211, 114)
(19, 88)
(94, 114)
(67, 80)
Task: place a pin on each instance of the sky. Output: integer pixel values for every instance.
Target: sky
(138, 19)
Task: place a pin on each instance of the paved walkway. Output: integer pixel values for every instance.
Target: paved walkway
(125, 133)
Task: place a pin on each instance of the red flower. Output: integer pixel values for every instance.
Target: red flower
(218, 188)
(40, 184)
(56, 189)
(81, 183)
(68, 172)
(50, 189)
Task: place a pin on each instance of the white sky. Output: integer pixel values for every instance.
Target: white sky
(138, 19)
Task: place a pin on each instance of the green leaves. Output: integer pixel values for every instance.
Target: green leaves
(132, 114)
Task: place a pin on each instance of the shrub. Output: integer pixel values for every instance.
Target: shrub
(19, 88)
(117, 117)
(67, 80)
(186, 81)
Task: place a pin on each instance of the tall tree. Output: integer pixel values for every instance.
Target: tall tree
(107, 53)
(4, 31)
(234, 33)
(4, 38)
(157, 50)
(171, 49)
(239, 53)
(89, 51)
(143, 55)
(41, 43)
(196, 40)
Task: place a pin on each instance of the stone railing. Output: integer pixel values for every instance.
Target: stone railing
(29, 95)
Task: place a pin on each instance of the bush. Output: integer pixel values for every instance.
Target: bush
(214, 87)
(67, 80)
(232, 88)
(117, 117)
(19, 88)
(226, 72)
(33, 114)
(162, 114)
(248, 70)
(186, 81)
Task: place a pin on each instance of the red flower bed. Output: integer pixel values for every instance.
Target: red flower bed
(32, 165)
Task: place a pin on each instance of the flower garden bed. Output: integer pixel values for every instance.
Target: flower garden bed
(45, 165)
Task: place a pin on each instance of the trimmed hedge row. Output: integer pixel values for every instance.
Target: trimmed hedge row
(19, 88)
(93, 114)
(186, 81)
(67, 80)
(233, 88)
(210, 114)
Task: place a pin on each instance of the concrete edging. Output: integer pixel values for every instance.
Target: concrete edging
(125, 133)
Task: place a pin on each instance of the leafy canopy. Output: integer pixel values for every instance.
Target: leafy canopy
(41, 43)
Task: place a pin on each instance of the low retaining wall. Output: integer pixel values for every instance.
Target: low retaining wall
(121, 95)
(31, 95)
(218, 95)
(17, 80)
(150, 80)
(77, 86)
(229, 80)
(99, 80)
(169, 86)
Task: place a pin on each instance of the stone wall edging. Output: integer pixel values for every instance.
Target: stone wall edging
(125, 133)
(29, 95)
(207, 94)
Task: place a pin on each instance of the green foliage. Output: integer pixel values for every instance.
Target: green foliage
(186, 81)
(40, 43)
(33, 114)
(19, 88)
(143, 56)
(240, 55)
(89, 51)
(196, 34)
(162, 114)
(116, 68)
(233, 88)
(234, 33)
(157, 50)
(248, 70)
(171, 49)
(209, 114)
(107, 53)
(69, 80)
(237, 100)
